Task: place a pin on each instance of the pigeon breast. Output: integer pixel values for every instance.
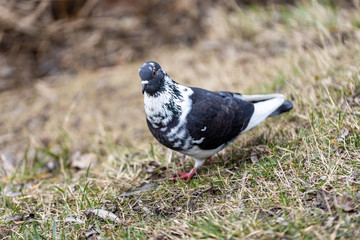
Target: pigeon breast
(167, 113)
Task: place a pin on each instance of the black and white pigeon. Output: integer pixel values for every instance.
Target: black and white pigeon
(198, 122)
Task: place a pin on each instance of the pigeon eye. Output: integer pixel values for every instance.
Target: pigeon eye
(154, 73)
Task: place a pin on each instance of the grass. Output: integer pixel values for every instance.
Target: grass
(293, 177)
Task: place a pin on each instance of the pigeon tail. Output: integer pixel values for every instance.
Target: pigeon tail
(264, 109)
(258, 98)
(285, 107)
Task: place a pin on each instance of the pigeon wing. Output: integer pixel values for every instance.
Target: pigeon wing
(217, 118)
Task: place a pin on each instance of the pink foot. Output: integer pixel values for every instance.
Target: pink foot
(184, 176)
(210, 160)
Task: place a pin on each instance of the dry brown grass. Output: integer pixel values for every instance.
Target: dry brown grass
(292, 177)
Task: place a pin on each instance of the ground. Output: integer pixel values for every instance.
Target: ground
(295, 176)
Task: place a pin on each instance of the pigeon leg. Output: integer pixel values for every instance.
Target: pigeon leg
(210, 160)
(184, 176)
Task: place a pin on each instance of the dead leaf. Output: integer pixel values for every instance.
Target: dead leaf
(84, 161)
(345, 203)
(144, 188)
(13, 218)
(343, 135)
(154, 163)
(73, 220)
(101, 213)
(29, 217)
(91, 233)
(150, 170)
(19, 219)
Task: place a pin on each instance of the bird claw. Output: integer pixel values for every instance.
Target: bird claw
(210, 161)
(184, 176)
(182, 173)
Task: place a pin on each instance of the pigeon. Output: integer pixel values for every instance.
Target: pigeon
(199, 122)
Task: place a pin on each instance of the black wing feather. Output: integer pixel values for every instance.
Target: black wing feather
(223, 115)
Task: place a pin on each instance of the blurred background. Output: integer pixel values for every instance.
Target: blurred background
(68, 69)
(45, 38)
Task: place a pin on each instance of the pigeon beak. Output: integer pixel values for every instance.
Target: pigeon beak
(144, 83)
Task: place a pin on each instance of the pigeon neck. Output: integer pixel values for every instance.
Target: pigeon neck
(166, 105)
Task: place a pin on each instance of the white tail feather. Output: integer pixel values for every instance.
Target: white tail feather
(251, 98)
(264, 109)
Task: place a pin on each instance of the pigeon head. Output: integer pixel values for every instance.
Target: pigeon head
(152, 77)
